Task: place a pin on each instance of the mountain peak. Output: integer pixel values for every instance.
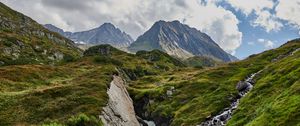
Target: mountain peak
(179, 40)
(53, 28)
(107, 33)
(108, 26)
(162, 22)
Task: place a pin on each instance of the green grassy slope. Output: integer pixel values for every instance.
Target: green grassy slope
(41, 94)
(199, 94)
(35, 94)
(24, 41)
(32, 92)
(275, 98)
(44, 94)
(202, 61)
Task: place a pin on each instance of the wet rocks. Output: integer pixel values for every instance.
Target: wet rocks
(243, 85)
(221, 119)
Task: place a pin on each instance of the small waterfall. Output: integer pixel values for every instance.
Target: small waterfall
(221, 119)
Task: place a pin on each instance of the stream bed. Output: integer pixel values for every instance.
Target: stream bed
(221, 119)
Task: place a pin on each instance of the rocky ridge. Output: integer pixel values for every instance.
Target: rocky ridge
(179, 40)
(105, 34)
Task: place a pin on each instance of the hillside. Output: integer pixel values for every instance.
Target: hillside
(71, 92)
(179, 40)
(46, 80)
(191, 96)
(25, 41)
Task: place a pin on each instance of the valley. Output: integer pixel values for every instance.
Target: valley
(172, 75)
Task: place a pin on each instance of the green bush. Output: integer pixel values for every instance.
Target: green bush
(69, 58)
(107, 60)
(84, 120)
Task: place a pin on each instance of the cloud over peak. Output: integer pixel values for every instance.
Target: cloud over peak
(135, 16)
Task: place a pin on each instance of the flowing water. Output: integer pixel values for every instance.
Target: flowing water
(222, 118)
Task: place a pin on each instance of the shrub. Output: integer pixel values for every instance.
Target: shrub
(84, 120)
(107, 60)
(69, 58)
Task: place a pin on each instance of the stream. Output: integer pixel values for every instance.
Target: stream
(221, 119)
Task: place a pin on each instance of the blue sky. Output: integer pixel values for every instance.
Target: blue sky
(252, 34)
(240, 27)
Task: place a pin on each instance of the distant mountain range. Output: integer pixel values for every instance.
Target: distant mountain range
(174, 38)
(179, 40)
(105, 34)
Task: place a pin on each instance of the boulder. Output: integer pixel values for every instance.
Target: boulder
(119, 110)
(242, 85)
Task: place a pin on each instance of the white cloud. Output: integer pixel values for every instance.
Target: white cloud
(247, 7)
(262, 10)
(250, 43)
(268, 21)
(268, 44)
(289, 10)
(220, 24)
(135, 16)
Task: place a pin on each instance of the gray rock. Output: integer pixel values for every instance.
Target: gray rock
(119, 110)
(242, 85)
(105, 51)
(2, 63)
(58, 55)
(169, 93)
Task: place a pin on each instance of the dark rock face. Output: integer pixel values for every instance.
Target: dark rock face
(179, 40)
(105, 34)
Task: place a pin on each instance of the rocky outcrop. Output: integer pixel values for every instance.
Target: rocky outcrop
(119, 110)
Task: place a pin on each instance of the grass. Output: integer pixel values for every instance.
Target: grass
(52, 93)
(37, 91)
(275, 97)
(201, 93)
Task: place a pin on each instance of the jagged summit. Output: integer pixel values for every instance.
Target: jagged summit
(179, 40)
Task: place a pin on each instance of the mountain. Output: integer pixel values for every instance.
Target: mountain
(179, 40)
(105, 34)
(104, 86)
(55, 29)
(24, 41)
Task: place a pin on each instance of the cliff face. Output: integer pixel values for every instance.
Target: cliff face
(119, 110)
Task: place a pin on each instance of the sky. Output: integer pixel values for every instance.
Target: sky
(240, 27)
